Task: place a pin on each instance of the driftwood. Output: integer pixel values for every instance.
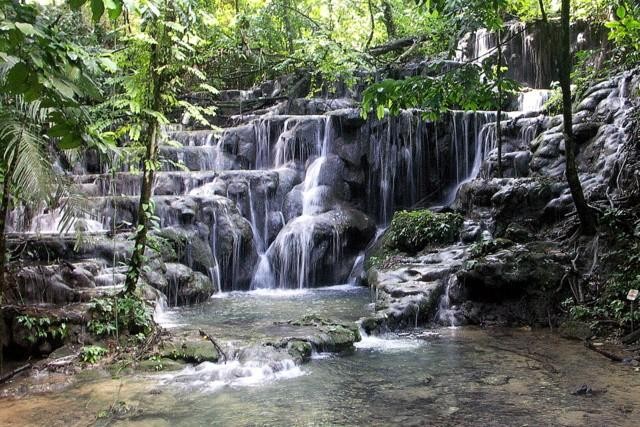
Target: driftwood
(6, 377)
(215, 344)
(603, 352)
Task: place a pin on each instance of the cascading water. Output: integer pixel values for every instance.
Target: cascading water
(280, 202)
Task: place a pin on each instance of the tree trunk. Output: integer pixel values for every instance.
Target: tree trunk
(586, 215)
(373, 25)
(499, 109)
(149, 166)
(288, 27)
(542, 11)
(389, 23)
(4, 208)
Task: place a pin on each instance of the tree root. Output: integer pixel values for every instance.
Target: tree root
(215, 344)
(603, 352)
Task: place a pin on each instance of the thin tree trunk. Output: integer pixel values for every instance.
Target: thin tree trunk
(149, 165)
(389, 23)
(373, 25)
(586, 215)
(542, 11)
(4, 208)
(499, 109)
(288, 27)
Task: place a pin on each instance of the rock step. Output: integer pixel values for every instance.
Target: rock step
(128, 184)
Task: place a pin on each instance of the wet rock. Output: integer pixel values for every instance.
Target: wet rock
(541, 264)
(575, 330)
(326, 335)
(160, 364)
(583, 390)
(523, 199)
(495, 380)
(185, 286)
(513, 284)
(517, 233)
(300, 350)
(407, 294)
(190, 351)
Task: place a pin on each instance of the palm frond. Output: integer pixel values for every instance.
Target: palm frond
(24, 148)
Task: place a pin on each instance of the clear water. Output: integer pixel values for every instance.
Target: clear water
(465, 376)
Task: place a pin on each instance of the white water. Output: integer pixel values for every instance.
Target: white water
(533, 100)
(386, 342)
(211, 377)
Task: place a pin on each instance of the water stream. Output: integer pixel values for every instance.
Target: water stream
(461, 376)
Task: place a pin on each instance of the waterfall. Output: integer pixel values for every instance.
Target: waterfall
(285, 201)
(292, 250)
(533, 100)
(481, 138)
(446, 314)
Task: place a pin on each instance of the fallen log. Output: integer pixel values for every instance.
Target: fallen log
(603, 352)
(6, 377)
(215, 344)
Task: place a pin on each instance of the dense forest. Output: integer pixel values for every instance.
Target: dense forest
(229, 192)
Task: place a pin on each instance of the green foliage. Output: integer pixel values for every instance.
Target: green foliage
(43, 328)
(92, 354)
(117, 314)
(412, 231)
(609, 303)
(462, 88)
(625, 32)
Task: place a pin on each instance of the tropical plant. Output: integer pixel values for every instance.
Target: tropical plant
(115, 314)
(42, 328)
(92, 354)
(44, 82)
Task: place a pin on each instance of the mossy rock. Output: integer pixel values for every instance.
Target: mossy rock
(488, 247)
(163, 364)
(331, 336)
(193, 351)
(413, 231)
(575, 330)
(299, 350)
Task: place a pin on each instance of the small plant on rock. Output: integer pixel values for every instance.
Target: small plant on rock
(92, 354)
(42, 328)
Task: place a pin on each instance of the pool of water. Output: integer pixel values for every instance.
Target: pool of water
(463, 376)
(250, 316)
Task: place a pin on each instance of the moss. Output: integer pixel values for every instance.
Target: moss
(332, 336)
(299, 349)
(412, 231)
(191, 351)
(160, 364)
(488, 247)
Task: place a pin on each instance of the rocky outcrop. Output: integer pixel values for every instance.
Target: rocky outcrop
(408, 290)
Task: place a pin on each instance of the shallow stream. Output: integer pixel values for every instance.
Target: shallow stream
(461, 376)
